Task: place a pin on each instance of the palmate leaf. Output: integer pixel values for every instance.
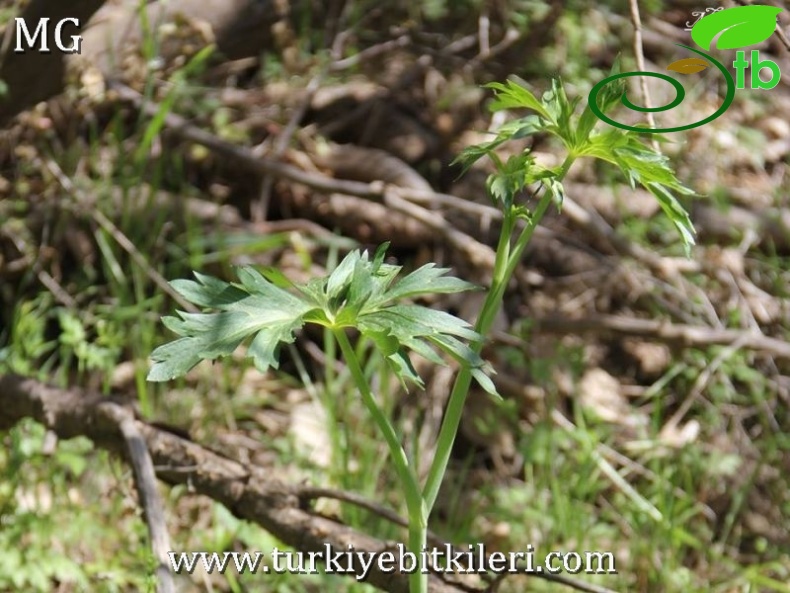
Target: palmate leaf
(512, 95)
(641, 165)
(426, 280)
(255, 309)
(360, 293)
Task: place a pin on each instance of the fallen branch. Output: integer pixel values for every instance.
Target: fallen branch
(250, 493)
(145, 482)
(404, 200)
(685, 335)
(396, 198)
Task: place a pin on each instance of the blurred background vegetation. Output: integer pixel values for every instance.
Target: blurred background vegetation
(674, 456)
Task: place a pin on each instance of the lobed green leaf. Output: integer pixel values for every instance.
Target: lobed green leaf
(207, 291)
(426, 280)
(512, 95)
(358, 293)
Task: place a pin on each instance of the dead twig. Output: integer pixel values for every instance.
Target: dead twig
(686, 335)
(639, 52)
(308, 494)
(392, 196)
(260, 208)
(369, 53)
(594, 224)
(480, 255)
(145, 482)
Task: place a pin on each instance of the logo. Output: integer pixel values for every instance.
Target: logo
(732, 28)
(42, 32)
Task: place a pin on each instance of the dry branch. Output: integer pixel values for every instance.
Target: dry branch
(395, 198)
(145, 482)
(684, 335)
(250, 493)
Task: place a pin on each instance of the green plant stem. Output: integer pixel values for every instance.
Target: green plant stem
(418, 514)
(507, 258)
(333, 404)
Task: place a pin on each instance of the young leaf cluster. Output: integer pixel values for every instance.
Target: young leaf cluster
(555, 115)
(361, 293)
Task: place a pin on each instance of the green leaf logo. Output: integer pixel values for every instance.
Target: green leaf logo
(736, 27)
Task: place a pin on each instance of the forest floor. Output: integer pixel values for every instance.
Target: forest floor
(645, 393)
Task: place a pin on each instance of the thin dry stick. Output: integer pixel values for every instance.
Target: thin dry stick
(481, 255)
(639, 52)
(483, 31)
(369, 53)
(311, 493)
(703, 379)
(663, 331)
(57, 290)
(610, 472)
(260, 208)
(511, 36)
(637, 468)
(557, 578)
(146, 484)
(745, 287)
(573, 584)
(592, 222)
(140, 260)
(782, 37)
(25, 262)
